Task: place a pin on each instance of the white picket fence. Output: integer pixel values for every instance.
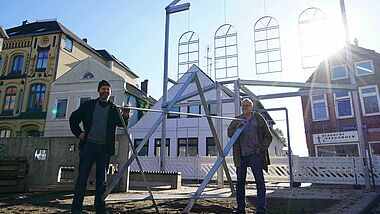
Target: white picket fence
(323, 170)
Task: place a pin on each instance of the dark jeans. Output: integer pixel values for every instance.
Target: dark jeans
(255, 161)
(90, 153)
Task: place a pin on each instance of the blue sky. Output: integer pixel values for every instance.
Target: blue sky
(133, 30)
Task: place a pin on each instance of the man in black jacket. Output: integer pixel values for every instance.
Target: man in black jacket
(99, 118)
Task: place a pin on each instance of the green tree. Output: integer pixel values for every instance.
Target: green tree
(280, 134)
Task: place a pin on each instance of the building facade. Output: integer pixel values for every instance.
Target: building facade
(32, 57)
(190, 136)
(80, 84)
(329, 118)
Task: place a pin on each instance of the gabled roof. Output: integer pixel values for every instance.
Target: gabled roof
(109, 57)
(3, 34)
(131, 89)
(356, 51)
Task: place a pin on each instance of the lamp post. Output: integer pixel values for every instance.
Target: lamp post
(171, 8)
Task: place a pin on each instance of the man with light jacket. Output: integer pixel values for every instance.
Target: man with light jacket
(251, 150)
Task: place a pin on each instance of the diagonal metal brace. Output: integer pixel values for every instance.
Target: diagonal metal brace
(214, 168)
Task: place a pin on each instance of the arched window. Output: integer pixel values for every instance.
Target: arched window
(267, 45)
(37, 96)
(311, 23)
(17, 64)
(10, 100)
(188, 52)
(225, 52)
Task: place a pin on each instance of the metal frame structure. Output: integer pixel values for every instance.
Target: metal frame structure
(308, 18)
(267, 46)
(225, 52)
(188, 52)
(238, 85)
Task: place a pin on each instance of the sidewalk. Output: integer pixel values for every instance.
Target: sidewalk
(343, 199)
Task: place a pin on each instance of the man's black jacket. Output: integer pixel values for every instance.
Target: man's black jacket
(84, 114)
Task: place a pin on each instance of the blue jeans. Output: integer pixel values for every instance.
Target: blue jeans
(91, 153)
(255, 161)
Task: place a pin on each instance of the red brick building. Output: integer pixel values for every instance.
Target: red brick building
(329, 118)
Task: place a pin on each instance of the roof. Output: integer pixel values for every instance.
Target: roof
(3, 34)
(52, 26)
(131, 89)
(109, 57)
(356, 51)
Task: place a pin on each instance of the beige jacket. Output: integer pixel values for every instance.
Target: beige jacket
(265, 139)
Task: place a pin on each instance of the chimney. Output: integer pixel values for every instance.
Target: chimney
(144, 86)
(356, 42)
(85, 40)
(25, 22)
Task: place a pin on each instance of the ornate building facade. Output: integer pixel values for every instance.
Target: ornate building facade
(32, 57)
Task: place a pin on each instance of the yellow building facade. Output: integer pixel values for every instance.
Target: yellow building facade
(32, 57)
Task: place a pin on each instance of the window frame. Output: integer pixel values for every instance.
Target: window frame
(5, 133)
(208, 140)
(189, 108)
(336, 66)
(216, 109)
(69, 46)
(56, 107)
(44, 58)
(146, 145)
(313, 111)
(17, 71)
(337, 144)
(376, 93)
(187, 146)
(363, 61)
(172, 116)
(33, 95)
(12, 97)
(336, 100)
(156, 145)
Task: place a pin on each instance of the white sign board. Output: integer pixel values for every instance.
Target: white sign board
(335, 137)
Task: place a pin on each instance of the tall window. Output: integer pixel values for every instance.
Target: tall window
(319, 107)
(212, 109)
(338, 72)
(84, 99)
(364, 68)
(375, 148)
(157, 147)
(193, 110)
(42, 59)
(144, 149)
(267, 45)
(343, 104)
(175, 109)
(10, 99)
(17, 64)
(5, 133)
(211, 147)
(370, 100)
(37, 96)
(69, 44)
(61, 108)
(187, 146)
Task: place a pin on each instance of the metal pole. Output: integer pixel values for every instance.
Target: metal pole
(291, 179)
(219, 128)
(355, 97)
(165, 89)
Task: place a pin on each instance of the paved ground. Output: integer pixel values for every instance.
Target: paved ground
(281, 199)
